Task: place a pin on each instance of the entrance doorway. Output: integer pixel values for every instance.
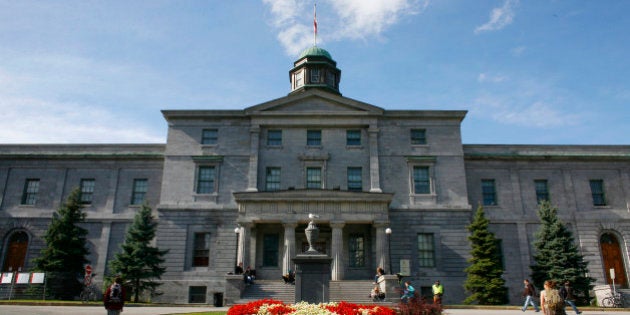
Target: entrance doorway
(15, 255)
(613, 258)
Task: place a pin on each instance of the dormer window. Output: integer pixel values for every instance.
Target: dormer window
(298, 79)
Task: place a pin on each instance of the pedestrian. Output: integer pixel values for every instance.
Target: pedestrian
(566, 293)
(379, 272)
(529, 293)
(238, 269)
(438, 291)
(550, 299)
(408, 292)
(114, 297)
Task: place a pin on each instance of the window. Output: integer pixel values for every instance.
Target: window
(209, 136)
(330, 79)
(314, 178)
(31, 190)
(354, 179)
(270, 250)
(488, 192)
(313, 137)
(353, 137)
(421, 180)
(542, 190)
(297, 78)
(315, 75)
(197, 294)
(139, 192)
(205, 179)
(272, 179)
(87, 191)
(426, 250)
(418, 136)
(274, 137)
(597, 191)
(356, 249)
(201, 250)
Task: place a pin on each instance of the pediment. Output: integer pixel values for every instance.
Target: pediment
(313, 101)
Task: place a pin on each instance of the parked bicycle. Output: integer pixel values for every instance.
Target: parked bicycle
(89, 291)
(613, 300)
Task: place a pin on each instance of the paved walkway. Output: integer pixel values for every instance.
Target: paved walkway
(146, 310)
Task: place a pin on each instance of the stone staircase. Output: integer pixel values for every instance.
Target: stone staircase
(268, 289)
(353, 291)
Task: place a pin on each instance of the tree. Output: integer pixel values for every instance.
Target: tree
(557, 256)
(484, 275)
(138, 262)
(64, 256)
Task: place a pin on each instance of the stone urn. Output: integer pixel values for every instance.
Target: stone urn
(312, 233)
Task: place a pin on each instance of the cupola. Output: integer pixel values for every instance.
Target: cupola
(315, 69)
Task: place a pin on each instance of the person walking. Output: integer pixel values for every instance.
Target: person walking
(114, 297)
(566, 293)
(529, 293)
(438, 291)
(550, 299)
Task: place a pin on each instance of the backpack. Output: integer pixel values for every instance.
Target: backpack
(553, 299)
(115, 295)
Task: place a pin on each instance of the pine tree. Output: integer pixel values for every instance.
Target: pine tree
(484, 280)
(64, 256)
(557, 256)
(139, 262)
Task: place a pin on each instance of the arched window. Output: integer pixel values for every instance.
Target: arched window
(15, 254)
(612, 257)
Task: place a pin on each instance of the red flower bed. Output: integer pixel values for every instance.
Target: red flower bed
(275, 307)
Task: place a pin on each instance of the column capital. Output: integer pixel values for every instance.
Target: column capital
(381, 224)
(290, 224)
(337, 224)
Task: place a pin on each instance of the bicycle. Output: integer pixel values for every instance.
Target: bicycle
(89, 292)
(613, 300)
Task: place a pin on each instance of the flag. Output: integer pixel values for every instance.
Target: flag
(315, 18)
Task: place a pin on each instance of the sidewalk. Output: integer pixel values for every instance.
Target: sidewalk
(152, 310)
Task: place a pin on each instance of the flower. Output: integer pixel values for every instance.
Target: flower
(275, 307)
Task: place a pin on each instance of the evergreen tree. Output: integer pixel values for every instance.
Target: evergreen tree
(557, 256)
(484, 275)
(139, 262)
(64, 256)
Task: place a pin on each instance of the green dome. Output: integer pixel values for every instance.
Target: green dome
(314, 52)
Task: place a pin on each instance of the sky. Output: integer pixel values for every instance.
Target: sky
(526, 72)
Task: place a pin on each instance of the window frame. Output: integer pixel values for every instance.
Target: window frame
(353, 137)
(418, 136)
(270, 253)
(87, 187)
(314, 137)
(541, 188)
(310, 184)
(354, 184)
(30, 193)
(485, 195)
(417, 181)
(273, 181)
(598, 197)
(138, 192)
(208, 139)
(200, 255)
(274, 137)
(426, 255)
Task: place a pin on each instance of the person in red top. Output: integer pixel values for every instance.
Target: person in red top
(114, 297)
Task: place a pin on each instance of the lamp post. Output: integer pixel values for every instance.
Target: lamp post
(388, 231)
(236, 231)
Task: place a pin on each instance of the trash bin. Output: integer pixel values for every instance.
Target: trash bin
(218, 299)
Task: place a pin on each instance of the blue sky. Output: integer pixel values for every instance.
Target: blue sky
(527, 72)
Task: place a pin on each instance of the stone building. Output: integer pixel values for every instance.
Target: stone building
(234, 186)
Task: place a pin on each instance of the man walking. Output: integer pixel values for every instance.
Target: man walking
(566, 293)
(438, 291)
(529, 293)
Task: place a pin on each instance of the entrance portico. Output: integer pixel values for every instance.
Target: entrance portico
(352, 230)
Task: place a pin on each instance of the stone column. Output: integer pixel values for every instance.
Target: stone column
(337, 250)
(252, 175)
(289, 247)
(382, 248)
(243, 245)
(104, 245)
(375, 185)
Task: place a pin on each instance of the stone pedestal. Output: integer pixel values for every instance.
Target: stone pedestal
(312, 278)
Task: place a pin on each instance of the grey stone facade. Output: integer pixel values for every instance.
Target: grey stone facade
(203, 193)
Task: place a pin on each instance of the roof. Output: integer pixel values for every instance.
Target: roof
(315, 52)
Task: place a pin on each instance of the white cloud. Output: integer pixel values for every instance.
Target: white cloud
(354, 19)
(499, 17)
(31, 120)
(484, 77)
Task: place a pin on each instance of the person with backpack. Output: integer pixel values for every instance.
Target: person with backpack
(114, 297)
(550, 300)
(529, 293)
